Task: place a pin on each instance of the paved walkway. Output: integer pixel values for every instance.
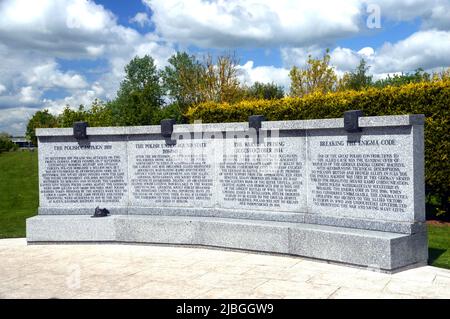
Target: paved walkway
(140, 271)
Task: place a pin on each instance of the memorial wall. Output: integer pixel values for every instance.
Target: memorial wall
(318, 171)
(315, 172)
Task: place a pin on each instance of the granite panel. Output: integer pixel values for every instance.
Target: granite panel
(269, 175)
(366, 175)
(83, 174)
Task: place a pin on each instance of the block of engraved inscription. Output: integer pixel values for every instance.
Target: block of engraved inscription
(170, 175)
(77, 176)
(370, 175)
(268, 176)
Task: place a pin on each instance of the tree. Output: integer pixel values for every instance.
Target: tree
(358, 79)
(443, 75)
(266, 91)
(5, 135)
(171, 111)
(69, 116)
(188, 81)
(99, 115)
(400, 79)
(140, 93)
(318, 76)
(5, 143)
(219, 81)
(182, 80)
(40, 119)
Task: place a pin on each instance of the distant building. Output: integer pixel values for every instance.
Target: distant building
(22, 142)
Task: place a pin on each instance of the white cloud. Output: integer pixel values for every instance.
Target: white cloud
(141, 19)
(426, 49)
(95, 50)
(289, 23)
(14, 120)
(48, 76)
(344, 59)
(264, 74)
(64, 28)
(434, 13)
(225, 23)
(366, 52)
(77, 97)
(34, 34)
(160, 53)
(299, 56)
(403, 10)
(439, 17)
(29, 95)
(85, 15)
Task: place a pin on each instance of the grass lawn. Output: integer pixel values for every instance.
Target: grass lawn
(439, 246)
(18, 191)
(19, 200)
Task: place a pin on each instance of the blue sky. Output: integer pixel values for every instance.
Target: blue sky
(55, 53)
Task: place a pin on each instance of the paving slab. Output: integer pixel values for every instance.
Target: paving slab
(161, 271)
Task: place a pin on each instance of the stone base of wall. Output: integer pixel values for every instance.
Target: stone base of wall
(376, 250)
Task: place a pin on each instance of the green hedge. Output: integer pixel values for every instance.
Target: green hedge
(429, 98)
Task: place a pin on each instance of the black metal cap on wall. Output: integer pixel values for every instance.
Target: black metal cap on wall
(255, 121)
(167, 127)
(167, 130)
(351, 121)
(79, 130)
